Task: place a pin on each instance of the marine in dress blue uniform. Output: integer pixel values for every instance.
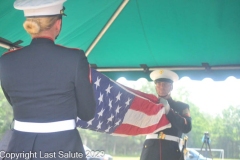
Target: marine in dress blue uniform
(48, 86)
(166, 144)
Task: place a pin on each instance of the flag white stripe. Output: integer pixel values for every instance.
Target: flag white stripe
(141, 119)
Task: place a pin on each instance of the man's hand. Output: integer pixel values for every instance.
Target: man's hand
(165, 104)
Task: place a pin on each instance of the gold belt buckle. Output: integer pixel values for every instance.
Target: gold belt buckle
(161, 135)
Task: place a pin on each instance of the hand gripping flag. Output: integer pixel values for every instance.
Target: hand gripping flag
(124, 111)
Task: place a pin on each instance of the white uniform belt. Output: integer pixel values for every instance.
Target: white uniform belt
(163, 136)
(45, 127)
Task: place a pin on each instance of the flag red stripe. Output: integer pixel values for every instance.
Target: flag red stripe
(130, 130)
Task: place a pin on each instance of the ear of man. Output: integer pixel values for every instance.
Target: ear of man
(58, 24)
(57, 27)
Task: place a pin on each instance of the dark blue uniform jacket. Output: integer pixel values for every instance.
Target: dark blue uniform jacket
(45, 82)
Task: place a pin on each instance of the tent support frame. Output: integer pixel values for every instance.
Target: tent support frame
(105, 28)
(124, 69)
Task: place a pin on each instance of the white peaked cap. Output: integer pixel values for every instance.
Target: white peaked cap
(40, 7)
(164, 73)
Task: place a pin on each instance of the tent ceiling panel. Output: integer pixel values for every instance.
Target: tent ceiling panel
(180, 35)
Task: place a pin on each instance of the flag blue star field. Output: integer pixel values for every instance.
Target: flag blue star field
(123, 111)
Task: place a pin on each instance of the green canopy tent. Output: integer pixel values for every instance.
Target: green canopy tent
(130, 38)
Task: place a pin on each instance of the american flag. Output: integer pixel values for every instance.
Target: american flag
(123, 111)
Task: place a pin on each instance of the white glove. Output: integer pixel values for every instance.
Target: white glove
(165, 104)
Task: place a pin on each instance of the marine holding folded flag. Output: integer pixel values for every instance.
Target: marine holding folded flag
(167, 144)
(48, 86)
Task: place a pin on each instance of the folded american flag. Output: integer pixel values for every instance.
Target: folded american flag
(123, 111)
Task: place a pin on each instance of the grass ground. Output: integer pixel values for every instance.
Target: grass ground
(125, 158)
(137, 158)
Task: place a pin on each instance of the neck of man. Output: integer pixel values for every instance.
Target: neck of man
(47, 33)
(166, 96)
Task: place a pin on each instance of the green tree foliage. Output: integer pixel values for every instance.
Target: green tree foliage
(6, 114)
(226, 131)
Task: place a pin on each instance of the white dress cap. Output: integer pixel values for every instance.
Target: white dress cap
(164, 73)
(40, 7)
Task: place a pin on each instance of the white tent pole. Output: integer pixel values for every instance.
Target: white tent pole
(4, 46)
(120, 8)
(171, 68)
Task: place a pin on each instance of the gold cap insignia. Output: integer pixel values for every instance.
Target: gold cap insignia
(62, 11)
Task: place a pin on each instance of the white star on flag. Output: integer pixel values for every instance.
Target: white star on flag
(90, 122)
(110, 119)
(108, 89)
(128, 102)
(118, 96)
(107, 130)
(99, 125)
(118, 122)
(100, 99)
(101, 113)
(110, 104)
(118, 108)
(97, 82)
